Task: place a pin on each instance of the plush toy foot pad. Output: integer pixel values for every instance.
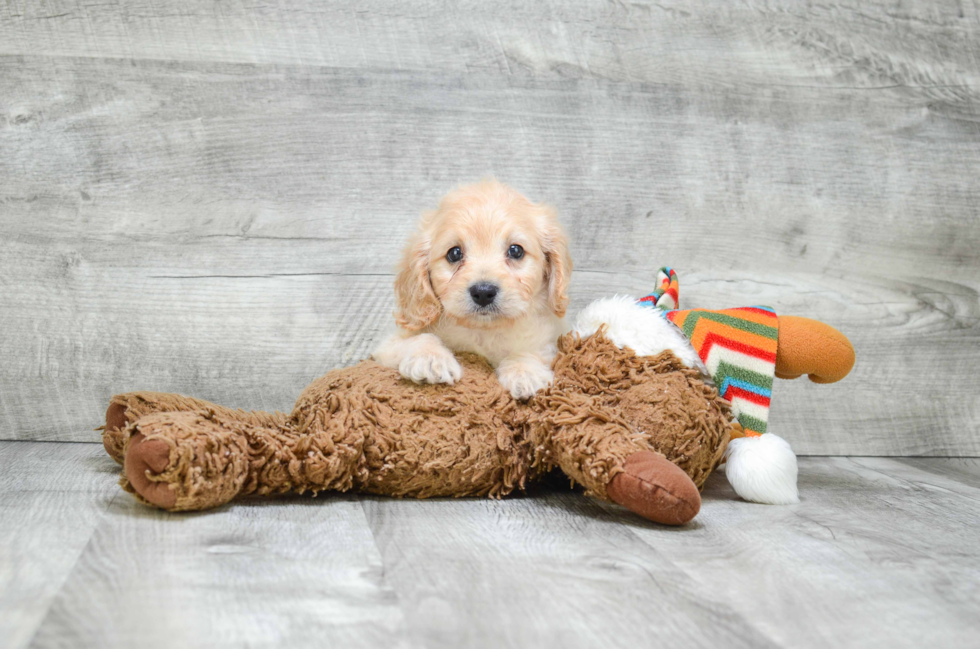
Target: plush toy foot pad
(655, 488)
(149, 455)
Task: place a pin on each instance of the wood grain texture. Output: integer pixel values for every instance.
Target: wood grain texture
(287, 572)
(871, 557)
(541, 571)
(965, 470)
(52, 497)
(880, 551)
(209, 198)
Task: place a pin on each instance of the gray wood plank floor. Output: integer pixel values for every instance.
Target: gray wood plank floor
(208, 197)
(880, 553)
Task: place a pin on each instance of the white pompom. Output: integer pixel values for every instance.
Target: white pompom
(762, 469)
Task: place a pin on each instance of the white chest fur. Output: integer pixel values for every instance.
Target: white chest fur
(531, 335)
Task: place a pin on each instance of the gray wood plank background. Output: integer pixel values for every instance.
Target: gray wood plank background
(880, 552)
(208, 198)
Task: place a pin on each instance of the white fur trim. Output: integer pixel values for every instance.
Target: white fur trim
(640, 328)
(762, 469)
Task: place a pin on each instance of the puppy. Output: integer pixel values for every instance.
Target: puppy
(487, 273)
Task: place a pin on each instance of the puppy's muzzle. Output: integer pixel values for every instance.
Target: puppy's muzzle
(484, 293)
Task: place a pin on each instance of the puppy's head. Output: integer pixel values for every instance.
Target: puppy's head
(485, 258)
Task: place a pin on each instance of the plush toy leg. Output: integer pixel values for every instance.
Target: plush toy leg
(126, 408)
(195, 460)
(655, 488)
(185, 461)
(600, 451)
(811, 347)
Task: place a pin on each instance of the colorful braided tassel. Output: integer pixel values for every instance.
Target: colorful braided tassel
(665, 295)
(737, 346)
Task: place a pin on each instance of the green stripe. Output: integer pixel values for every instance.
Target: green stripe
(751, 423)
(726, 370)
(738, 323)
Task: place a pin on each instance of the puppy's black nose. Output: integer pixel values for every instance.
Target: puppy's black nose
(483, 293)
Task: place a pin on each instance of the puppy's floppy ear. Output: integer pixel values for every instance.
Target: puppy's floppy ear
(418, 305)
(559, 262)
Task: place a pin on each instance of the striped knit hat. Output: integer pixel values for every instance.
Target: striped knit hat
(737, 346)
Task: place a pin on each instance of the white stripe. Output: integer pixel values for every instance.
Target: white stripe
(751, 409)
(732, 357)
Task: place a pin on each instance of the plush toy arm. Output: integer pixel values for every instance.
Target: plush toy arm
(811, 347)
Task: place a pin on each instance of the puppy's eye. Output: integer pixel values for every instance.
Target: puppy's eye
(455, 254)
(515, 252)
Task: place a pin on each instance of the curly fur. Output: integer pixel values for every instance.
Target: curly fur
(364, 428)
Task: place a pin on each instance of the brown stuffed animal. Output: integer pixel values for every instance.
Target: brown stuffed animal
(644, 431)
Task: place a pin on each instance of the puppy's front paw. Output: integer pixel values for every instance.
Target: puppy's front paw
(523, 378)
(436, 365)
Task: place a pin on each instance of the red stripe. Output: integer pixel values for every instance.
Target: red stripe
(649, 298)
(727, 343)
(734, 392)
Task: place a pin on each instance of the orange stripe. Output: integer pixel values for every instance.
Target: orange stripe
(705, 326)
(678, 317)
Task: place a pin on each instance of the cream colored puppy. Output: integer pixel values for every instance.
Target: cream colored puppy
(487, 273)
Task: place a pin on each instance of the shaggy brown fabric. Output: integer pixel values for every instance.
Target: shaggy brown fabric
(366, 428)
(402, 439)
(126, 408)
(657, 402)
